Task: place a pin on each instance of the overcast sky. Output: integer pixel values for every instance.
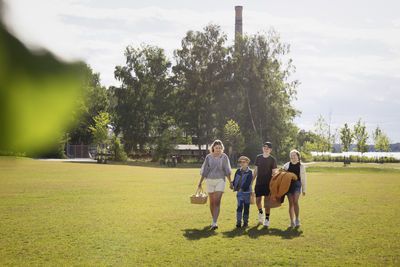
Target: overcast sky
(347, 53)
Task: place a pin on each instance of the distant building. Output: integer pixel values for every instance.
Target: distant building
(190, 150)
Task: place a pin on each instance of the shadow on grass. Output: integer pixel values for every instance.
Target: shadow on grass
(235, 232)
(196, 234)
(256, 232)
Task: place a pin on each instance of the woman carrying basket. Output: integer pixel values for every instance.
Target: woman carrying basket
(215, 168)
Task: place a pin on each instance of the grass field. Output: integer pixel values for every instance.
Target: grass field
(57, 213)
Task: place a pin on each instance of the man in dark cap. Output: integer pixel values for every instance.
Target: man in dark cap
(265, 167)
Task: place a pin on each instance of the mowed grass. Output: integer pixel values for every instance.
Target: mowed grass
(54, 213)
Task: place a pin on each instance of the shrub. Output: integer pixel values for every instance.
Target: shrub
(117, 152)
(306, 157)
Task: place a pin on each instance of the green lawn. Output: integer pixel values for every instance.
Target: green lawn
(54, 213)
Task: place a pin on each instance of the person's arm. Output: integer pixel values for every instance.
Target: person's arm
(255, 174)
(275, 167)
(230, 181)
(255, 170)
(205, 168)
(285, 166)
(203, 172)
(303, 179)
(201, 181)
(228, 170)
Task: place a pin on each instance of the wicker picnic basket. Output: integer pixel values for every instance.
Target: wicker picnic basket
(199, 198)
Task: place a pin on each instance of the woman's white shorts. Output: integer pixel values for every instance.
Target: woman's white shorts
(215, 185)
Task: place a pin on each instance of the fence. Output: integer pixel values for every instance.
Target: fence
(79, 151)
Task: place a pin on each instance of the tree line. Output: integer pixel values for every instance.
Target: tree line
(242, 92)
(324, 137)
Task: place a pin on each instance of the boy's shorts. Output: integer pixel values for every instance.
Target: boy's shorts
(261, 190)
(215, 185)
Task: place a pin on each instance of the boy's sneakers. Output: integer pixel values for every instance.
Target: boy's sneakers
(245, 225)
(266, 223)
(238, 225)
(260, 217)
(214, 226)
(298, 222)
(291, 224)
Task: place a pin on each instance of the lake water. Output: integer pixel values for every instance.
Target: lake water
(366, 154)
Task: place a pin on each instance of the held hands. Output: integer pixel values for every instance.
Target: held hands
(304, 194)
(231, 185)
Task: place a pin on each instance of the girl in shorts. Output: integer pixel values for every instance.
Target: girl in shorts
(296, 167)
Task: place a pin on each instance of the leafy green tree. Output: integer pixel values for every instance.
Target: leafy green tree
(325, 136)
(145, 97)
(167, 140)
(100, 128)
(346, 136)
(233, 140)
(287, 142)
(253, 146)
(200, 73)
(381, 140)
(306, 149)
(305, 136)
(212, 83)
(116, 149)
(261, 90)
(93, 101)
(360, 136)
(199, 68)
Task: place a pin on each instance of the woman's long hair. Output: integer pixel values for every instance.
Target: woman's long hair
(216, 143)
(297, 153)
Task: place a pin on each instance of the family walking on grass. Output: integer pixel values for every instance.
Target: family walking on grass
(216, 167)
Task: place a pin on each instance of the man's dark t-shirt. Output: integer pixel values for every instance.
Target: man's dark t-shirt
(264, 169)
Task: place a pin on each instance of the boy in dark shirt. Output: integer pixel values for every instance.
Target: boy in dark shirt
(265, 167)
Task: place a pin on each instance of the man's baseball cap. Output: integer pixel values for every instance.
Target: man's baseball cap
(268, 144)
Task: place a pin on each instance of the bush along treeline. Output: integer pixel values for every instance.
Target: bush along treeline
(354, 158)
(324, 137)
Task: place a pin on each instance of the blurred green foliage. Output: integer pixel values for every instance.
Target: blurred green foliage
(37, 96)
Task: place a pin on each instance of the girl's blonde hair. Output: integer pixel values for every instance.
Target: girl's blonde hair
(297, 152)
(216, 143)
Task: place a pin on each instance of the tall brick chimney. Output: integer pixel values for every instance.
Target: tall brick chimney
(238, 21)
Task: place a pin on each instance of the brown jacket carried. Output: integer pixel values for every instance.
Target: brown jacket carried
(279, 186)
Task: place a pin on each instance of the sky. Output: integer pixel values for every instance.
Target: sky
(346, 53)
